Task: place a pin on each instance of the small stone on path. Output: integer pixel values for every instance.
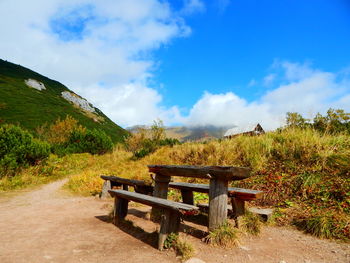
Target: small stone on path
(244, 248)
(194, 260)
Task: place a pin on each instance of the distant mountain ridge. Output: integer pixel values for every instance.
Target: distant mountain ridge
(190, 133)
(30, 100)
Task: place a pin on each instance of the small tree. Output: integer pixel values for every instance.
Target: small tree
(60, 131)
(135, 141)
(335, 121)
(296, 120)
(146, 141)
(158, 131)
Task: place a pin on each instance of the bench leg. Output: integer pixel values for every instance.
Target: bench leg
(217, 203)
(238, 208)
(120, 209)
(160, 190)
(106, 186)
(169, 223)
(187, 196)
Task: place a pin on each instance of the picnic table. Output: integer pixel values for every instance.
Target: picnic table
(219, 177)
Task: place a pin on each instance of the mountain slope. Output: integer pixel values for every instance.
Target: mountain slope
(190, 133)
(31, 100)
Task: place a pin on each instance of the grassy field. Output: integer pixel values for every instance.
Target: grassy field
(304, 174)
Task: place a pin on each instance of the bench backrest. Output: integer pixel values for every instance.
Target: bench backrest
(242, 193)
(122, 180)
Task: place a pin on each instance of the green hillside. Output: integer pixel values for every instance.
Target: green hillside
(30, 108)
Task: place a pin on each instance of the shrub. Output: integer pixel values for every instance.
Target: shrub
(60, 131)
(91, 141)
(18, 149)
(146, 141)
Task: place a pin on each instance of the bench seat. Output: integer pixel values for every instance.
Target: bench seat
(171, 211)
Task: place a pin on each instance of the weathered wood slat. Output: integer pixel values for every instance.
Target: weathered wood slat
(187, 196)
(245, 194)
(121, 180)
(160, 190)
(106, 186)
(139, 186)
(169, 223)
(152, 201)
(217, 203)
(205, 172)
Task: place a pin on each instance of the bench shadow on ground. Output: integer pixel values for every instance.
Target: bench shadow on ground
(191, 225)
(128, 227)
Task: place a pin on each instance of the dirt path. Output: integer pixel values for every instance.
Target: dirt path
(47, 225)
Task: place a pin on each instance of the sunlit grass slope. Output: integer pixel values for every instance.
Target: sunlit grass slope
(305, 175)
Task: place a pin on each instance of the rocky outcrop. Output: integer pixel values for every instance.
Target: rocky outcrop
(80, 102)
(32, 83)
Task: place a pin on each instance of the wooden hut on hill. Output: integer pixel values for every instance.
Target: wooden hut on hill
(250, 130)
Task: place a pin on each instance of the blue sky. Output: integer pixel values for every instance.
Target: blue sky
(188, 62)
(228, 49)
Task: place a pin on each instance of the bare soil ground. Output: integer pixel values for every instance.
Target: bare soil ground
(49, 225)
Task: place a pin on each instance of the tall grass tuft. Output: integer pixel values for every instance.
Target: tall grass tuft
(184, 249)
(251, 223)
(325, 226)
(225, 235)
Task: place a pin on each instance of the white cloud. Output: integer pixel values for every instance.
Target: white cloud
(192, 6)
(132, 104)
(252, 83)
(228, 109)
(269, 79)
(301, 89)
(100, 49)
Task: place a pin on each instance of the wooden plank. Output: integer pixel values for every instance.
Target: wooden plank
(160, 190)
(242, 193)
(106, 186)
(217, 203)
(206, 172)
(161, 186)
(238, 207)
(153, 201)
(164, 228)
(122, 205)
(144, 189)
(187, 196)
(121, 180)
(169, 223)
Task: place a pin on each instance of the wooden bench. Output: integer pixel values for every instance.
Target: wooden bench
(111, 181)
(171, 211)
(238, 195)
(219, 177)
